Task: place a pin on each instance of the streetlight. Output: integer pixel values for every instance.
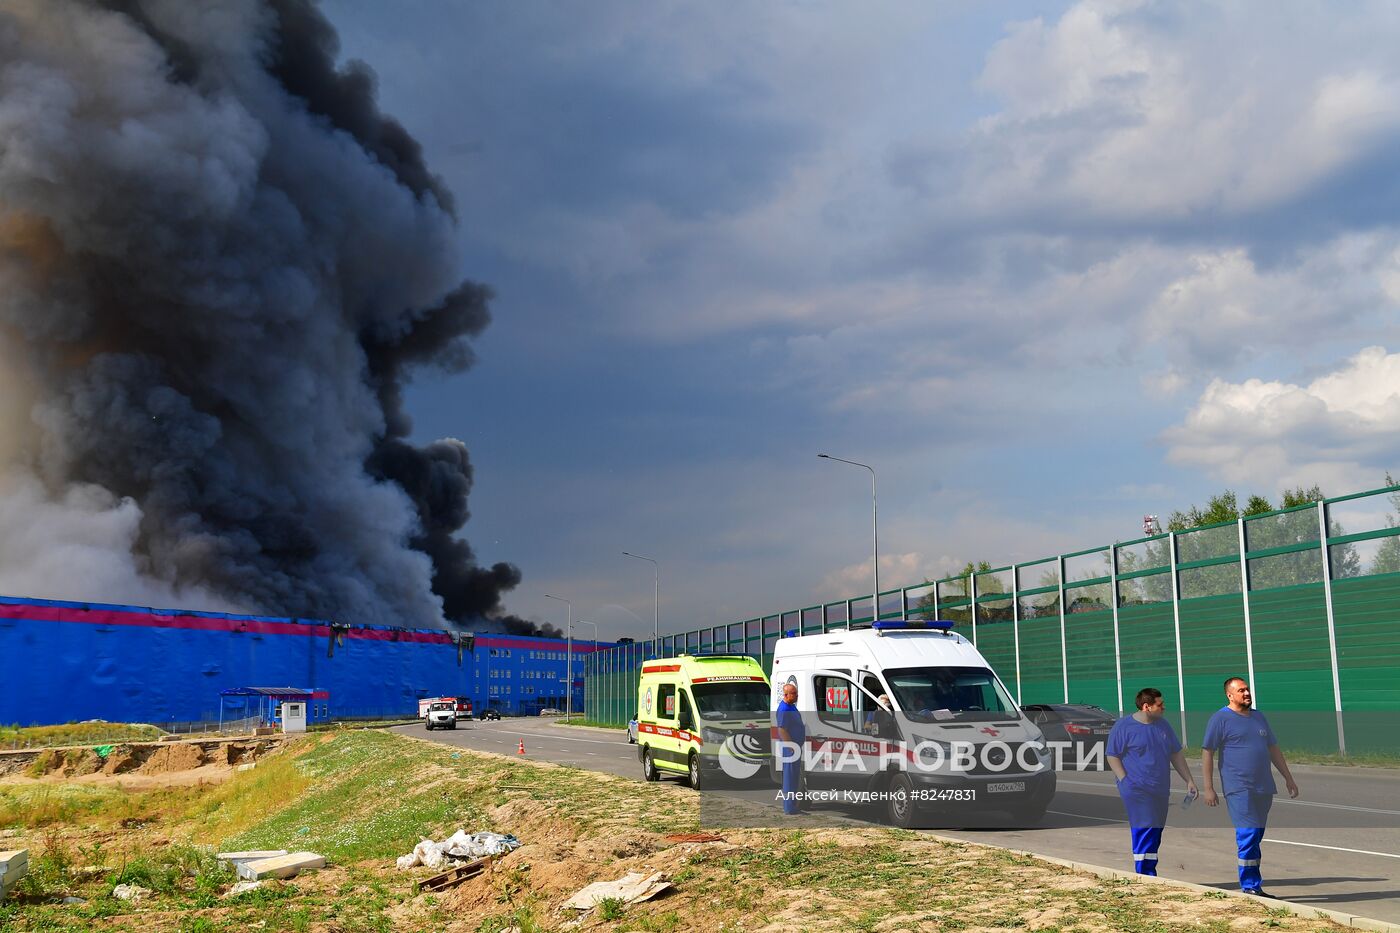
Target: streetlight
(656, 600)
(875, 533)
(569, 664)
(585, 668)
(595, 630)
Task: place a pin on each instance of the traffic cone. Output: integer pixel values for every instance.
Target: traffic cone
(522, 747)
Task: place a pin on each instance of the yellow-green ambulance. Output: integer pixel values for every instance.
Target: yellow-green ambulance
(703, 717)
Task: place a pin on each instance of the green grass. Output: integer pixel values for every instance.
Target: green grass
(1363, 760)
(77, 733)
(591, 723)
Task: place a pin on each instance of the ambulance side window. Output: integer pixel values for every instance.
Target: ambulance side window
(666, 701)
(687, 720)
(833, 700)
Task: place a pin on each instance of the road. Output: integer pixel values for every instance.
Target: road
(1337, 846)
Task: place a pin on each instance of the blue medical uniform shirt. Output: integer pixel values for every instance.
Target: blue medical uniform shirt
(1145, 750)
(1242, 745)
(791, 720)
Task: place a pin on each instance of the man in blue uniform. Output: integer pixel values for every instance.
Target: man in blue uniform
(1245, 744)
(1141, 751)
(791, 730)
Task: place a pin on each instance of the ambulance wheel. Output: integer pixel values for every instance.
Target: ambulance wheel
(695, 780)
(429, 727)
(900, 807)
(648, 766)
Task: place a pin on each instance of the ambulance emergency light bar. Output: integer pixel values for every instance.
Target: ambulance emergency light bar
(898, 625)
(908, 625)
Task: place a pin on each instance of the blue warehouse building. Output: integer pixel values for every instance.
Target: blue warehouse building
(69, 661)
(521, 675)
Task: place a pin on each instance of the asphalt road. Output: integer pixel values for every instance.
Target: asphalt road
(1337, 846)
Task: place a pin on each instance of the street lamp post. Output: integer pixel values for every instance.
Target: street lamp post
(656, 600)
(569, 654)
(874, 531)
(595, 651)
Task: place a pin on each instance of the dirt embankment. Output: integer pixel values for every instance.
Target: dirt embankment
(204, 758)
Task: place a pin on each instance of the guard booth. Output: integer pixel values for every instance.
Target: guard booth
(293, 708)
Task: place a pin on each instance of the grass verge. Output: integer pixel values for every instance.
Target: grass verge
(77, 733)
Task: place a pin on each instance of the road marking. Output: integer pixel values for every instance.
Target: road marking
(1314, 845)
(1335, 806)
(1084, 816)
(1097, 784)
(1280, 800)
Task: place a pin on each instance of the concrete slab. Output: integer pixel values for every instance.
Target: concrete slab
(282, 866)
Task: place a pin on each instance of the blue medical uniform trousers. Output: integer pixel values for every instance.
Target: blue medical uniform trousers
(792, 785)
(1147, 815)
(1249, 812)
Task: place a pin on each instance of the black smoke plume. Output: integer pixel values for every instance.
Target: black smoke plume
(220, 264)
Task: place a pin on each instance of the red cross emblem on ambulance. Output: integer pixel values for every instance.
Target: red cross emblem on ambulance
(990, 731)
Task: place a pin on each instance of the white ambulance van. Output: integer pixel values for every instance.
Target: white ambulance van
(952, 737)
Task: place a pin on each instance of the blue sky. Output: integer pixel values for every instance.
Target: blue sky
(1047, 267)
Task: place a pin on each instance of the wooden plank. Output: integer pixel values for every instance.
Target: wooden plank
(454, 876)
(283, 866)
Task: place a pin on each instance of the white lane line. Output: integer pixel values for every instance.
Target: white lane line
(1314, 845)
(1084, 816)
(1333, 806)
(1278, 800)
(567, 738)
(1282, 842)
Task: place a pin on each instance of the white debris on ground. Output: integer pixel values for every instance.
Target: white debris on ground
(630, 889)
(242, 887)
(459, 847)
(130, 892)
(234, 859)
(14, 865)
(280, 866)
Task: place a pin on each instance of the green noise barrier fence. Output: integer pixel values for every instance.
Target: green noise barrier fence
(1304, 602)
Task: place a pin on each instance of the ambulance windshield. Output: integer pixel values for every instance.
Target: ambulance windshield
(731, 700)
(946, 694)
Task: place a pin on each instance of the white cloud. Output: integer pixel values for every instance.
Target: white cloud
(1337, 430)
(1157, 115)
(895, 570)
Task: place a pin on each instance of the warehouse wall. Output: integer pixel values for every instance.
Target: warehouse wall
(66, 661)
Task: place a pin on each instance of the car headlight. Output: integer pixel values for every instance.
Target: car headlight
(708, 735)
(934, 754)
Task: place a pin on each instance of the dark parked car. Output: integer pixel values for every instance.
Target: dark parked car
(488, 715)
(1078, 724)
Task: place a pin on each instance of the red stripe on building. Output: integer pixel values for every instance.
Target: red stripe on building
(260, 627)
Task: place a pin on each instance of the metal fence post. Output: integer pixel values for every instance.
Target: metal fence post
(972, 603)
(1331, 624)
(1016, 626)
(1248, 628)
(1176, 625)
(1113, 595)
(1064, 653)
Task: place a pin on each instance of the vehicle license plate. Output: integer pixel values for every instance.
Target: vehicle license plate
(1006, 787)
